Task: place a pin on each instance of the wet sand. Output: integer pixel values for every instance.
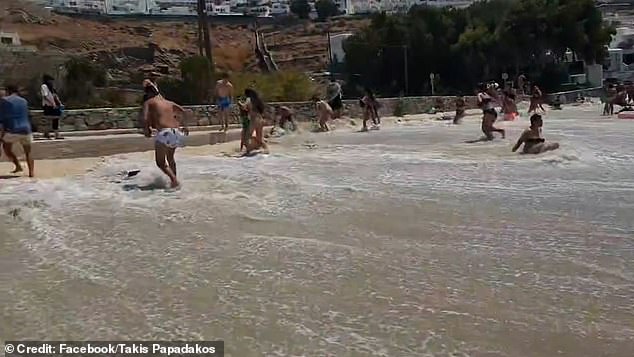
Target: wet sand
(46, 169)
(400, 242)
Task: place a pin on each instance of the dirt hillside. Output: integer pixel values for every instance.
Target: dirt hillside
(121, 45)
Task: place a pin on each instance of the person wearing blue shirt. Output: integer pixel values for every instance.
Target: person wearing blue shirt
(16, 127)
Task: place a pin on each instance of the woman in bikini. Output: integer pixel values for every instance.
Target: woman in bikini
(532, 138)
(255, 106)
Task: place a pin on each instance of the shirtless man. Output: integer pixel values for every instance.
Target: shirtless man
(161, 114)
(224, 95)
(324, 113)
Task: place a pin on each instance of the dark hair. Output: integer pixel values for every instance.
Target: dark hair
(48, 81)
(256, 101)
(511, 95)
(535, 118)
(224, 75)
(12, 89)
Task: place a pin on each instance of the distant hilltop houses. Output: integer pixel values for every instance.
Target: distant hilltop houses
(258, 8)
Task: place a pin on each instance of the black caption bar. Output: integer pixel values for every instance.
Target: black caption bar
(114, 348)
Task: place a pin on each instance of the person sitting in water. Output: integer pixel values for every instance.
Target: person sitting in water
(166, 117)
(488, 119)
(460, 110)
(324, 113)
(532, 138)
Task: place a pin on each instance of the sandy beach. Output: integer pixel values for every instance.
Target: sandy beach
(407, 241)
(46, 169)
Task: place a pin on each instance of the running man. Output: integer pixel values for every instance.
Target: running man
(16, 128)
(224, 95)
(161, 114)
(324, 113)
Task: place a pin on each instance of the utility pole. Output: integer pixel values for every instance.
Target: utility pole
(405, 70)
(203, 28)
(332, 76)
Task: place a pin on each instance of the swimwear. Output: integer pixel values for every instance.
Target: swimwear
(244, 119)
(336, 103)
(535, 140)
(224, 103)
(510, 116)
(171, 137)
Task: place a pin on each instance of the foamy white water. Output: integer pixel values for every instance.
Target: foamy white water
(401, 242)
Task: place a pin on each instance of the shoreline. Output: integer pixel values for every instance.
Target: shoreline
(81, 164)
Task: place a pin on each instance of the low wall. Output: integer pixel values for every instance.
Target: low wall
(571, 96)
(126, 118)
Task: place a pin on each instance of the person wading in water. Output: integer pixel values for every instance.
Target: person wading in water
(255, 106)
(324, 113)
(161, 114)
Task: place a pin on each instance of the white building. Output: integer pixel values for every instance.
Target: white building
(396, 6)
(79, 6)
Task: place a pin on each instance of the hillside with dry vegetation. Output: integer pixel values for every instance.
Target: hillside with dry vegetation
(121, 45)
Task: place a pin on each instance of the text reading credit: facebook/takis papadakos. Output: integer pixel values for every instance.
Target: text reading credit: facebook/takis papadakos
(114, 348)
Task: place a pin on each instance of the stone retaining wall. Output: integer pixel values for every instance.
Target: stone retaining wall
(126, 118)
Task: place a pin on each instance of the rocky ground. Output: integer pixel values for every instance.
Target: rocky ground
(120, 45)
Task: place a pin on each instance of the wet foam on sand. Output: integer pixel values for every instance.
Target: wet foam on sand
(401, 242)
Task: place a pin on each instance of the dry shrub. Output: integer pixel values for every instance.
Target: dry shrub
(232, 58)
(276, 87)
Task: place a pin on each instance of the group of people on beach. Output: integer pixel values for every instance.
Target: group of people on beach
(17, 127)
(489, 96)
(618, 94)
(170, 120)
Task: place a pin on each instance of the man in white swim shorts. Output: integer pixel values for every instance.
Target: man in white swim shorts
(166, 117)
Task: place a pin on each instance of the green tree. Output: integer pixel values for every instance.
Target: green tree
(198, 75)
(82, 76)
(301, 8)
(475, 44)
(326, 9)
